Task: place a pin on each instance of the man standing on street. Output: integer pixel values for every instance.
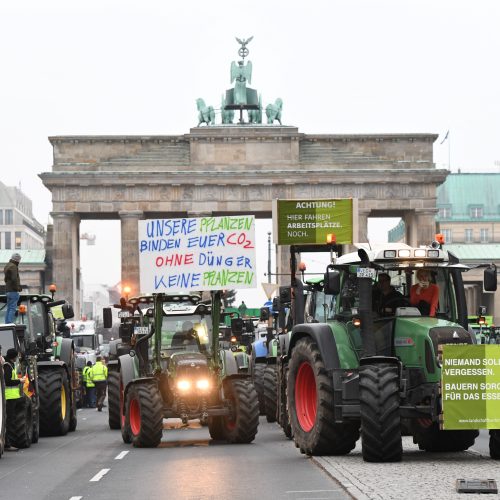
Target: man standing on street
(99, 375)
(12, 286)
(90, 397)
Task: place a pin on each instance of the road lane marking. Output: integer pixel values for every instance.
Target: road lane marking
(312, 491)
(100, 474)
(121, 455)
(76, 498)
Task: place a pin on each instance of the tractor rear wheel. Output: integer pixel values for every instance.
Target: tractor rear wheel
(3, 410)
(311, 405)
(36, 420)
(145, 415)
(433, 439)
(270, 387)
(258, 382)
(114, 399)
(495, 444)
(55, 401)
(241, 426)
(380, 419)
(21, 431)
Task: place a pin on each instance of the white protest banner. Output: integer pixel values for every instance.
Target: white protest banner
(207, 253)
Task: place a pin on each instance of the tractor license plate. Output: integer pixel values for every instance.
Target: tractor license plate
(141, 330)
(365, 272)
(124, 314)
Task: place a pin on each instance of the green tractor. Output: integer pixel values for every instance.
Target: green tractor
(58, 380)
(133, 325)
(351, 371)
(178, 370)
(25, 429)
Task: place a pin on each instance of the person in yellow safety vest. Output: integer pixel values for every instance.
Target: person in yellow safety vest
(13, 395)
(90, 397)
(99, 375)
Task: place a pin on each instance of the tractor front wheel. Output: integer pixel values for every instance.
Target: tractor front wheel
(495, 444)
(433, 439)
(270, 394)
(380, 419)
(114, 399)
(241, 426)
(310, 395)
(21, 430)
(55, 401)
(145, 415)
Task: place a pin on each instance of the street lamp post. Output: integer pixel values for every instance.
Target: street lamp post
(269, 257)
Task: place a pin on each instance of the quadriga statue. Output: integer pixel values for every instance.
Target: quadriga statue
(206, 114)
(273, 111)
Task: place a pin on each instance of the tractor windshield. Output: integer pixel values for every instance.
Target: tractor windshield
(186, 333)
(33, 318)
(86, 343)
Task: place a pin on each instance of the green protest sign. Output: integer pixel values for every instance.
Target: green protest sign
(470, 386)
(310, 221)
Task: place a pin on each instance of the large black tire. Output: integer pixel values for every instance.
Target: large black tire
(258, 382)
(124, 423)
(433, 439)
(3, 412)
(145, 415)
(216, 428)
(311, 405)
(21, 430)
(495, 444)
(241, 426)
(380, 419)
(36, 422)
(284, 417)
(55, 402)
(270, 392)
(114, 399)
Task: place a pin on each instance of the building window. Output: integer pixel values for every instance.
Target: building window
(447, 235)
(484, 236)
(8, 243)
(8, 217)
(18, 240)
(468, 236)
(444, 213)
(476, 212)
(1, 217)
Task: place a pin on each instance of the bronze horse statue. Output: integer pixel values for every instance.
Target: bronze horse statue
(206, 114)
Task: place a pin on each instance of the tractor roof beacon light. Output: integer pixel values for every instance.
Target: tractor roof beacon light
(52, 290)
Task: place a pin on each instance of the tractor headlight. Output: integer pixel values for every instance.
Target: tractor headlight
(203, 384)
(183, 385)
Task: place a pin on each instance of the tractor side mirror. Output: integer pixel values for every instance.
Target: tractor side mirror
(490, 278)
(107, 317)
(67, 310)
(332, 282)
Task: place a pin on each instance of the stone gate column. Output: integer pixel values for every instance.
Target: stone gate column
(362, 236)
(130, 250)
(66, 258)
(425, 227)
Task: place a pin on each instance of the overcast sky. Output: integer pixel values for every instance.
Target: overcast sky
(137, 67)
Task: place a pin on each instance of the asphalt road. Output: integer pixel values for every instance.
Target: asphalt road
(94, 463)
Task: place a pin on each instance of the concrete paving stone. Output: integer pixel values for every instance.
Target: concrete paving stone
(420, 475)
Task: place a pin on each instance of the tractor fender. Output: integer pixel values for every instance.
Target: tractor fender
(127, 369)
(230, 367)
(259, 350)
(67, 350)
(113, 347)
(323, 337)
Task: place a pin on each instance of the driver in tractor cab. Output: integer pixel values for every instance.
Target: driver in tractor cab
(385, 297)
(425, 294)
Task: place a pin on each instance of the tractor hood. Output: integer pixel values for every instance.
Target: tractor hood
(188, 363)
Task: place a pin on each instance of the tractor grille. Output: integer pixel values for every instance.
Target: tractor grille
(445, 335)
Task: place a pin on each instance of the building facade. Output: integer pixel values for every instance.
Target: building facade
(20, 232)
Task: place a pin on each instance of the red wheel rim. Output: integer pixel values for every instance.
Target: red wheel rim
(305, 397)
(135, 417)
